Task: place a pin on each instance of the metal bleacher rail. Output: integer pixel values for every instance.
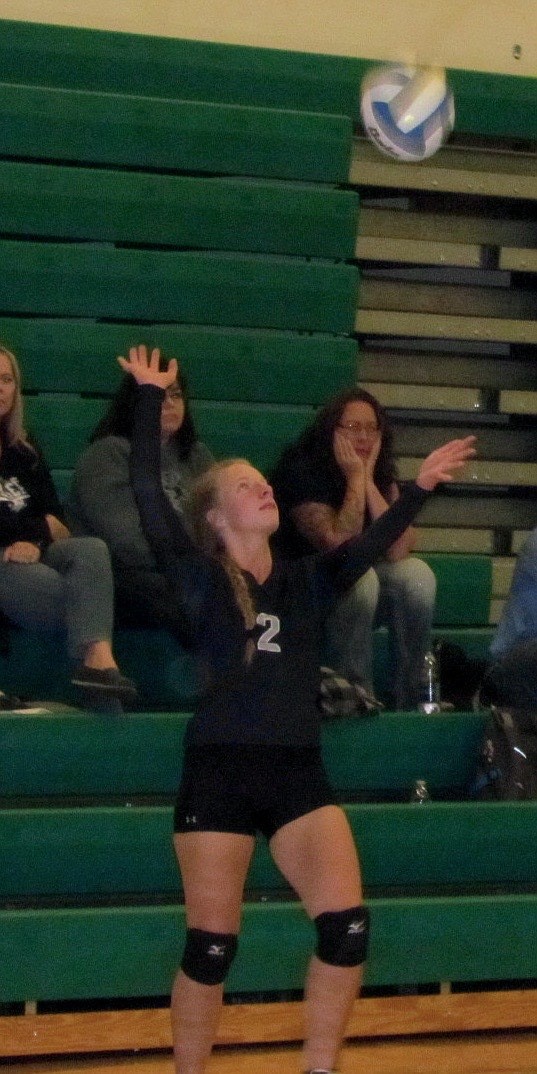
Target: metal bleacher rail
(448, 335)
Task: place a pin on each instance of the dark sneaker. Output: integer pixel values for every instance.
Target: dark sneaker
(105, 681)
(9, 703)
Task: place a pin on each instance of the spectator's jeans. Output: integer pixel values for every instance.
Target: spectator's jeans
(70, 589)
(400, 596)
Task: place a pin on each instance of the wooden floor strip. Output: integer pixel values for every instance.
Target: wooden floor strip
(268, 1023)
(494, 1054)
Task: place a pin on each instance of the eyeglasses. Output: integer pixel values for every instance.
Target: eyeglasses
(369, 428)
(174, 394)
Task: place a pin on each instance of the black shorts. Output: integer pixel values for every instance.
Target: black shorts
(246, 789)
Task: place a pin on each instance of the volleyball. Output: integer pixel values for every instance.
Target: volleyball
(408, 112)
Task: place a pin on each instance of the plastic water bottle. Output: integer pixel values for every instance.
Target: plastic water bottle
(420, 792)
(429, 685)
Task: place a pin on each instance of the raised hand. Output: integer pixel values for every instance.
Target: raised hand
(145, 367)
(351, 464)
(445, 461)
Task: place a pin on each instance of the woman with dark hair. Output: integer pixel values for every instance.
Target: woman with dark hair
(48, 579)
(102, 501)
(338, 478)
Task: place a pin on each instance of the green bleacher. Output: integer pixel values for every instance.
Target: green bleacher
(82, 818)
(221, 202)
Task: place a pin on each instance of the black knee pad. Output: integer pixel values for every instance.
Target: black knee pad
(343, 936)
(208, 955)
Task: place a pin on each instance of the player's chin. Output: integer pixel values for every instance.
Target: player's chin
(271, 518)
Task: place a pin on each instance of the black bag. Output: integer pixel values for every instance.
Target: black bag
(507, 763)
(460, 675)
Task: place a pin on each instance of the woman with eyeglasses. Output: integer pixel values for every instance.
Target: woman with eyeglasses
(102, 501)
(338, 478)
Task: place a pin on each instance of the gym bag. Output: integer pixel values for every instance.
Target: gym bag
(507, 762)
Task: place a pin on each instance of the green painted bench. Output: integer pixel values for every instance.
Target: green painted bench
(146, 132)
(111, 952)
(90, 871)
(197, 211)
(34, 54)
(86, 280)
(84, 755)
(125, 851)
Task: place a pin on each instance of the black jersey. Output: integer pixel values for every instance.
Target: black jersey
(270, 698)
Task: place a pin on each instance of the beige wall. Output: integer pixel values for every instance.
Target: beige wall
(475, 34)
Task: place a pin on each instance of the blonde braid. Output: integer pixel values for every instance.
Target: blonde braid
(243, 598)
(201, 499)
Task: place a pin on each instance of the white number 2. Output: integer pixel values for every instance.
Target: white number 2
(265, 642)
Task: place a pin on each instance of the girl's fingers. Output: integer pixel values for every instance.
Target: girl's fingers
(145, 368)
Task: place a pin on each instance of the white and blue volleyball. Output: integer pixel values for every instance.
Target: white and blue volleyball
(408, 112)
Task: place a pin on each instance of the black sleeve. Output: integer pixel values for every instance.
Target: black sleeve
(188, 570)
(345, 565)
(162, 525)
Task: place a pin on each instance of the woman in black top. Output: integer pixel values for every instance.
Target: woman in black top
(48, 579)
(252, 758)
(330, 485)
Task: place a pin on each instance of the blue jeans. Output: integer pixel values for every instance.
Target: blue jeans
(70, 590)
(400, 596)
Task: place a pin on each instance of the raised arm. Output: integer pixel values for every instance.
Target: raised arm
(352, 559)
(162, 525)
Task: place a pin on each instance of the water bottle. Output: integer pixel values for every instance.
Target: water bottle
(429, 685)
(420, 792)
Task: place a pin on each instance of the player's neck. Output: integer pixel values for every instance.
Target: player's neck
(253, 554)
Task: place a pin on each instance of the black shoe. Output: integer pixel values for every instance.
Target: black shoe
(105, 681)
(9, 703)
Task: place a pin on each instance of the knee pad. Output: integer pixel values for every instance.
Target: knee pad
(343, 936)
(208, 955)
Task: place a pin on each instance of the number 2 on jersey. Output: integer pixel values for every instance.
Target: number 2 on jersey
(272, 624)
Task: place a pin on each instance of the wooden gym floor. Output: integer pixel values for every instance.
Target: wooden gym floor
(500, 1053)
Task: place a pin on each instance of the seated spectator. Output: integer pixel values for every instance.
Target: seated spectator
(512, 677)
(330, 485)
(102, 501)
(48, 579)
